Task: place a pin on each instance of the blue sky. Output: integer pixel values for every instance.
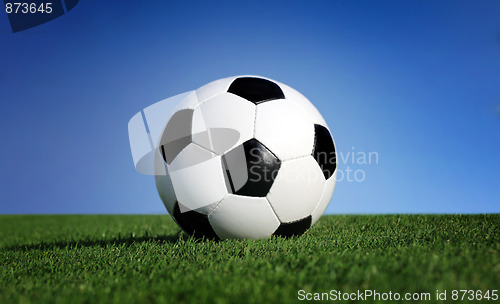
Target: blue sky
(417, 82)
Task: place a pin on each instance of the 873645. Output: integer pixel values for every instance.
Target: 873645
(28, 8)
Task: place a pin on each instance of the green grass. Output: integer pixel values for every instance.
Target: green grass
(142, 259)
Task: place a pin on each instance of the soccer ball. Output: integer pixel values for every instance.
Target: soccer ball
(246, 157)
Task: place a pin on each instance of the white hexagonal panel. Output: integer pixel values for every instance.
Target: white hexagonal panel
(297, 189)
(213, 88)
(325, 198)
(197, 179)
(284, 128)
(304, 103)
(243, 217)
(223, 122)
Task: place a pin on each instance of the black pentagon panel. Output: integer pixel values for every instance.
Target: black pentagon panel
(177, 135)
(194, 223)
(294, 228)
(256, 90)
(324, 151)
(250, 169)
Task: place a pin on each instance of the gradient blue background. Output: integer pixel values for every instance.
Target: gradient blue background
(418, 82)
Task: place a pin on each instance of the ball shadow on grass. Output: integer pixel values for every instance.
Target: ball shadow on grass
(128, 240)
